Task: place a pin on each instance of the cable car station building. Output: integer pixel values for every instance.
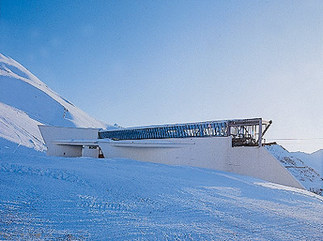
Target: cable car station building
(229, 145)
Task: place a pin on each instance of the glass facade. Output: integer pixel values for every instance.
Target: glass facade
(201, 129)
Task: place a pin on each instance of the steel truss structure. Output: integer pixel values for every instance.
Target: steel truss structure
(244, 132)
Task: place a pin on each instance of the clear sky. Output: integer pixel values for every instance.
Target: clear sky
(157, 62)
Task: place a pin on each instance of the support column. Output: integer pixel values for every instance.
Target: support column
(260, 133)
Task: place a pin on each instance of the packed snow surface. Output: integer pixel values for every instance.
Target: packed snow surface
(98, 199)
(34, 103)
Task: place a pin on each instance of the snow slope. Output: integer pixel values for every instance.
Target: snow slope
(16, 125)
(306, 175)
(107, 199)
(34, 103)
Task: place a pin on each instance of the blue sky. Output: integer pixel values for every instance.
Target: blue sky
(155, 62)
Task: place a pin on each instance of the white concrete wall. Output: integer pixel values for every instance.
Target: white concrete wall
(64, 150)
(88, 151)
(214, 153)
(51, 134)
(258, 162)
(199, 152)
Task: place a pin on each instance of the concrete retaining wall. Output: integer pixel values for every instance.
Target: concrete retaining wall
(212, 152)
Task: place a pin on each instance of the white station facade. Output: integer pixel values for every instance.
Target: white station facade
(229, 145)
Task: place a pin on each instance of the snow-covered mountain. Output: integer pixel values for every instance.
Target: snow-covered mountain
(314, 160)
(297, 165)
(26, 102)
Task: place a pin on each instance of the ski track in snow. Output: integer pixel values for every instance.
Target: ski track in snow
(98, 199)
